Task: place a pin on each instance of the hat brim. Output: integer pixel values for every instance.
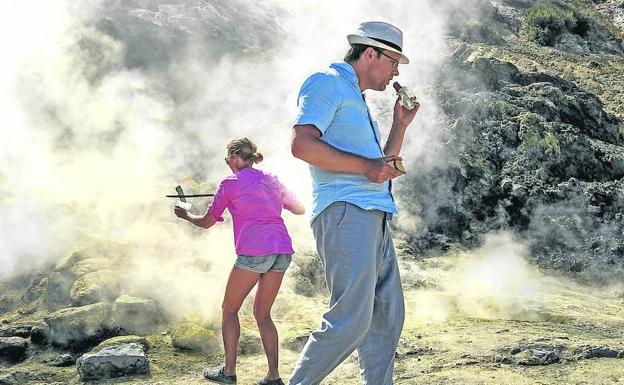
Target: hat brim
(357, 39)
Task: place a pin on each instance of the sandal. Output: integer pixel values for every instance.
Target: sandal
(217, 375)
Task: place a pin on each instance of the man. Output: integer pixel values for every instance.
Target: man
(351, 174)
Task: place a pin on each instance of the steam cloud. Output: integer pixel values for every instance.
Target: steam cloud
(108, 105)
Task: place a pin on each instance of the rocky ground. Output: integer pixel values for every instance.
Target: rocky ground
(549, 331)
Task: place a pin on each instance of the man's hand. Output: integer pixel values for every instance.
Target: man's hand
(402, 116)
(380, 170)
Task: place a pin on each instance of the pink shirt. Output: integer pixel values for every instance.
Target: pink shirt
(255, 199)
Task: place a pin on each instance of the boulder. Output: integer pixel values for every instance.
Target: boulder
(135, 315)
(89, 265)
(65, 263)
(188, 336)
(113, 361)
(15, 378)
(21, 330)
(57, 292)
(123, 340)
(39, 333)
(93, 287)
(78, 326)
(13, 349)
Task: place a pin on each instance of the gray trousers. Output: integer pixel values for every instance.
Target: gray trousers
(366, 309)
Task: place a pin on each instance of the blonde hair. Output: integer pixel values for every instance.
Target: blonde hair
(245, 149)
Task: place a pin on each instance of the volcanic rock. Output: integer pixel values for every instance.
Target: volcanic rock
(249, 342)
(590, 351)
(78, 326)
(93, 287)
(113, 361)
(532, 354)
(63, 360)
(188, 336)
(59, 285)
(13, 348)
(123, 340)
(135, 315)
(39, 333)
(16, 331)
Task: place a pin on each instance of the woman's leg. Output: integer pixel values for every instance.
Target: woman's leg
(238, 286)
(268, 286)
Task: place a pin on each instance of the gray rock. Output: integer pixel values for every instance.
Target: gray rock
(135, 315)
(39, 333)
(15, 378)
(63, 360)
(78, 326)
(16, 331)
(531, 354)
(113, 361)
(57, 292)
(599, 352)
(13, 348)
(93, 287)
(533, 357)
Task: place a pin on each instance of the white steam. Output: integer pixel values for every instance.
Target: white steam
(494, 281)
(98, 128)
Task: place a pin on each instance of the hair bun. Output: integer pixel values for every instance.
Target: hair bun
(257, 157)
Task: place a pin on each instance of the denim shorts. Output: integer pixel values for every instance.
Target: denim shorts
(264, 263)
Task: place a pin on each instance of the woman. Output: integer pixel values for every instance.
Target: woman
(263, 247)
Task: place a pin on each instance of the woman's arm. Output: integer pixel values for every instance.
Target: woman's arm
(290, 201)
(206, 221)
(297, 207)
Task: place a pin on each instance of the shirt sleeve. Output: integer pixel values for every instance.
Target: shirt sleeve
(219, 203)
(318, 101)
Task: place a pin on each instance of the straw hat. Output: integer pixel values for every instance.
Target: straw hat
(381, 35)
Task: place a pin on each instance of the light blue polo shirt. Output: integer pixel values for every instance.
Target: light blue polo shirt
(331, 100)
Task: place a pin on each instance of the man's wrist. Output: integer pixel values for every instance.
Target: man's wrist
(398, 126)
(364, 165)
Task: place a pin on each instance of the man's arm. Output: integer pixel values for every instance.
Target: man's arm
(401, 119)
(307, 146)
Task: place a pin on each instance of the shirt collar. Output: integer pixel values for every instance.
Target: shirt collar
(346, 70)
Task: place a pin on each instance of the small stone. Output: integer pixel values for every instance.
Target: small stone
(63, 360)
